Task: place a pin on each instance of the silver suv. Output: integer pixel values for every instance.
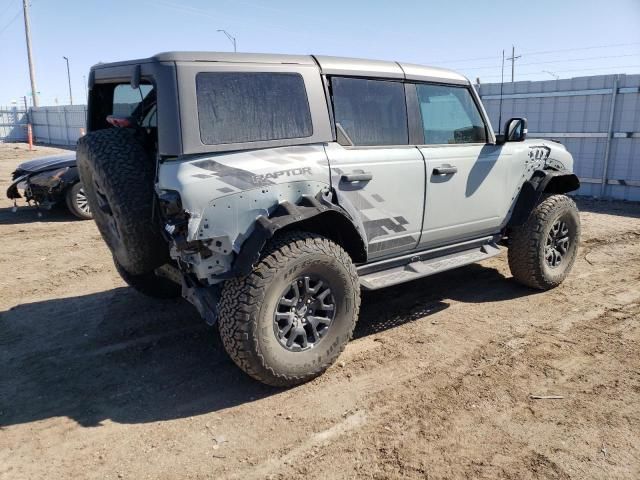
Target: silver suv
(268, 190)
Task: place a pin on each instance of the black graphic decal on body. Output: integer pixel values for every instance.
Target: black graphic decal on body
(383, 226)
(236, 177)
(540, 152)
(393, 243)
(258, 179)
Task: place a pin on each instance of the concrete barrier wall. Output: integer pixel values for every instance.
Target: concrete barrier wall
(59, 125)
(13, 124)
(597, 118)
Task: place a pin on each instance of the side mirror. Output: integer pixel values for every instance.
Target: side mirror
(515, 130)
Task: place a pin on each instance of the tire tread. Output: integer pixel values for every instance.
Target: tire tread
(116, 158)
(524, 257)
(241, 299)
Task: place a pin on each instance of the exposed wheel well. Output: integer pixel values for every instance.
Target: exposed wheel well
(336, 227)
(562, 184)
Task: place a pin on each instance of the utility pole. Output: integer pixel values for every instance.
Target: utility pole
(32, 72)
(513, 59)
(69, 79)
(231, 38)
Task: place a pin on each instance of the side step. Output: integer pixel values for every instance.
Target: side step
(423, 268)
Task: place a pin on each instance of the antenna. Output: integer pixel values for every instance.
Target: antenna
(501, 85)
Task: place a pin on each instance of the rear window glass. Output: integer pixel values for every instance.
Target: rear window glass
(252, 107)
(127, 99)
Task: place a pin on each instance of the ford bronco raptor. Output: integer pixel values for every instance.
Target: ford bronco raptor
(268, 190)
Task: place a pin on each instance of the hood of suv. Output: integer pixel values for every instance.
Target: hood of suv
(48, 163)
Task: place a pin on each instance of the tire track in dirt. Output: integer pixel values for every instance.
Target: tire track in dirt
(396, 402)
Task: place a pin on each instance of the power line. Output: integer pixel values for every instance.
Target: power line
(582, 48)
(8, 7)
(484, 67)
(446, 62)
(575, 70)
(582, 59)
(542, 52)
(8, 24)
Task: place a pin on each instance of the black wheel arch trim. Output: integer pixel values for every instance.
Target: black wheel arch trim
(542, 181)
(289, 216)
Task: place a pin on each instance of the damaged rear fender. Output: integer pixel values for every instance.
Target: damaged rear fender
(226, 238)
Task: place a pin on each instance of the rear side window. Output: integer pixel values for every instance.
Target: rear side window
(449, 115)
(251, 107)
(120, 100)
(127, 99)
(371, 112)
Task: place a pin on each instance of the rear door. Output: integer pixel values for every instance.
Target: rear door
(375, 171)
(466, 176)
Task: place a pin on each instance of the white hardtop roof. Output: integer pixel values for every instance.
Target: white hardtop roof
(357, 67)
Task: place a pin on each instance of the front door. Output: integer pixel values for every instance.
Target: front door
(375, 171)
(466, 177)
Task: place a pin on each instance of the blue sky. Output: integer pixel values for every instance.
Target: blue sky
(564, 37)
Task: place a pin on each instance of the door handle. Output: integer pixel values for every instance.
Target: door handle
(356, 177)
(445, 170)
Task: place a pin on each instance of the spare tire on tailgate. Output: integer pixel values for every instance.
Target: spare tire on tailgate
(118, 177)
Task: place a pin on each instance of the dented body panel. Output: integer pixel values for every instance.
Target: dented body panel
(224, 195)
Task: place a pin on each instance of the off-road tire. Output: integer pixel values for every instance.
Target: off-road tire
(118, 177)
(247, 306)
(150, 284)
(71, 201)
(527, 243)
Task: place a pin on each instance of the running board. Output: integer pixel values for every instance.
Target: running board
(424, 268)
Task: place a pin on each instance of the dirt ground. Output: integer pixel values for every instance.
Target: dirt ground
(97, 381)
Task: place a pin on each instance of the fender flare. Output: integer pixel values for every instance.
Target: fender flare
(542, 181)
(286, 216)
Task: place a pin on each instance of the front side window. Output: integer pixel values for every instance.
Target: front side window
(449, 115)
(371, 112)
(251, 107)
